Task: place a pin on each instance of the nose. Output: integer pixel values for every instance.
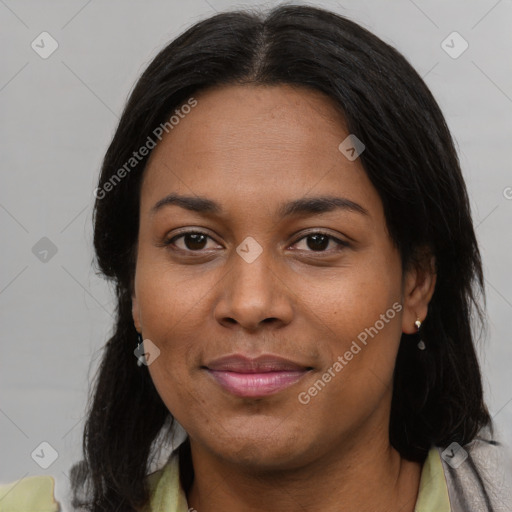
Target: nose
(254, 294)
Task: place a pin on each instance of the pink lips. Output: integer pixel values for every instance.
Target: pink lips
(262, 376)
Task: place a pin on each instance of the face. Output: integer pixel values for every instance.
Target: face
(274, 292)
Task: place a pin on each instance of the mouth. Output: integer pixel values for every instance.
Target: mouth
(255, 377)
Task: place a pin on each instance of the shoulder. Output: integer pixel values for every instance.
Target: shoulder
(31, 493)
(479, 475)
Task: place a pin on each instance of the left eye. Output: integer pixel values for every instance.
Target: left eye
(318, 242)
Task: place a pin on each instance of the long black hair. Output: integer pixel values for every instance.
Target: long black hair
(410, 159)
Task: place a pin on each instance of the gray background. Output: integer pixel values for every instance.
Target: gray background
(58, 116)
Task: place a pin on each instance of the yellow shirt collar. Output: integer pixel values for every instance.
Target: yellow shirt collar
(433, 491)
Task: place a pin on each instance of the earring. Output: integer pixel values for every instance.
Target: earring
(421, 343)
(139, 351)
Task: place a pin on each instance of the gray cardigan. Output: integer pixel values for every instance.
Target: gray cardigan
(482, 482)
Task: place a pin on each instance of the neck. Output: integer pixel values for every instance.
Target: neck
(369, 476)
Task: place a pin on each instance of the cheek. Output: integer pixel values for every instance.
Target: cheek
(359, 360)
(168, 294)
(171, 382)
(358, 316)
(347, 301)
(169, 305)
(175, 373)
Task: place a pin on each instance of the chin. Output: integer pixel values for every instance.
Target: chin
(263, 446)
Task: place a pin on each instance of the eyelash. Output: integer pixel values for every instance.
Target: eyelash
(340, 243)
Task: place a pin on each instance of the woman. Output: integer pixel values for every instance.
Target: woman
(284, 217)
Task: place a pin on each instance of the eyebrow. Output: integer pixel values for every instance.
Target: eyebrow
(303, 206)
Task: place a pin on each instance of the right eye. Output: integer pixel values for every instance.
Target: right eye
(192, 241)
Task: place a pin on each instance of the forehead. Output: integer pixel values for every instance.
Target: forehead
(274, 142)
(228, 118)
(277, 105)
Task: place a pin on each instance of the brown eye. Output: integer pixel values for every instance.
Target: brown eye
(195, 241)
(319, 242)
(191, 241)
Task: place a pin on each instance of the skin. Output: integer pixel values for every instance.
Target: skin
(251, 149)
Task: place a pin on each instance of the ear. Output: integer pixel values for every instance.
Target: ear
(418, 287)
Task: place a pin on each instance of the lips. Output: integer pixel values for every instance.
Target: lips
(255, 377)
